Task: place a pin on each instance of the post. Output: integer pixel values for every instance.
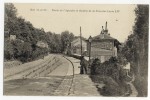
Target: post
(89, 53)
(106, 26)
(81, 40)
(90, 40)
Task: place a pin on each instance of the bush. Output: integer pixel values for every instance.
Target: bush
(95, 67)
(111, 87)
(108, 68)
(39, 53)
(112, 75)
(23, 51)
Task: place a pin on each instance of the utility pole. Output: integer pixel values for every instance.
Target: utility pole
(81, 40)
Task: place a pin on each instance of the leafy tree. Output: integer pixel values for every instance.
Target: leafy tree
(8, 50)
(58, 42)
(24, 47)
(10, 21)
(66, 39)
(136, 48)
(18, 48)
(10, 10)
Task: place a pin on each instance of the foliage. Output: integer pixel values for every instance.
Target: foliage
(112, 75)
(8, 49)
(24, 47)
(109, 87)
(108, 68)
(135, 51)
(95, 66)
(66, 39)
(136, 47)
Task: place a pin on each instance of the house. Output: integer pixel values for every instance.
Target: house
(103, 46)
(12, 37)
(42, 44)
(76, 46)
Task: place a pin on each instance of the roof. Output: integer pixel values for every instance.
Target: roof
(106, 37)
(76, 37)
(103, 36)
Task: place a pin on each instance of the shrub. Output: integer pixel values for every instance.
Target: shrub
(108, 68)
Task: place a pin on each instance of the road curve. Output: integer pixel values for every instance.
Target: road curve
(51, 78)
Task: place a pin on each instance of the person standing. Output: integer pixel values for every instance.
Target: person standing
(83, 68)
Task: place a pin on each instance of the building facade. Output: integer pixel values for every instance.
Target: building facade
(12, 37)
(103, 46)
(76, 46)
(42, 44)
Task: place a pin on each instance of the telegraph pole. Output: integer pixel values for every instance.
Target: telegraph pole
(81, 40)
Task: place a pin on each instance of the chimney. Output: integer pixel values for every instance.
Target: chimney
(102, 32)
(106, 30)
(106, 26)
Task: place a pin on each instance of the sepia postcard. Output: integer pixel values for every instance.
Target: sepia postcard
(61, 49)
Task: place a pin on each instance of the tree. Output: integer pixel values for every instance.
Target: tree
(11, 26)
(26, 52)
(66, 39)
(25, 33)
(8, 50)
(24, 47)
(18, 48)
(136, 48)
(58, 43)
(10, 10)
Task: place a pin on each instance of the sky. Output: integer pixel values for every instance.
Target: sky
(91, 17)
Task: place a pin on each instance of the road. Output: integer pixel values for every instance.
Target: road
(55, 75)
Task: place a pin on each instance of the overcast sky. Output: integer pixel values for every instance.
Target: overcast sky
(60, 17)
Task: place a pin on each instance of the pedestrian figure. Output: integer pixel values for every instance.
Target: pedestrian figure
(83, 67)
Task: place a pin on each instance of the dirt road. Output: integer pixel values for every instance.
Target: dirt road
(55, 75)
